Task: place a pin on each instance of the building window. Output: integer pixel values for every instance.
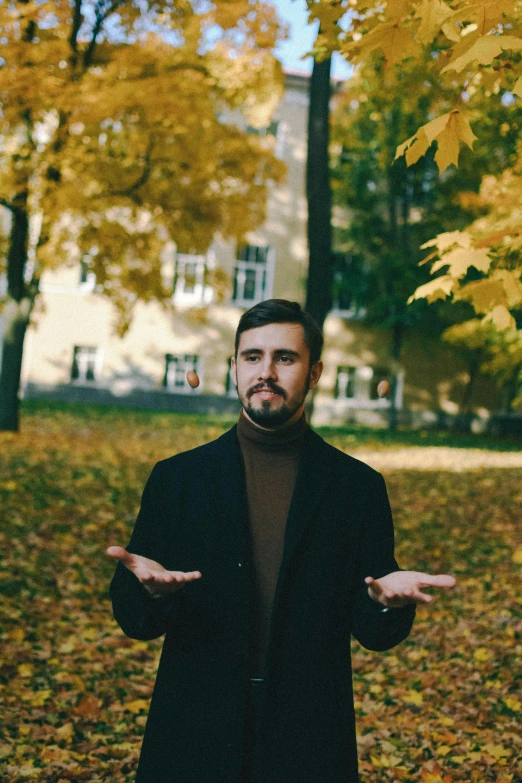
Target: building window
(350, 280)
(274, 131)
(190, 280)
(86, 364)
(176, 367)
(265, 130)
(345, 382)
(230, 386)
(253, 275)
(357, 386)
(3, 283)
(87, 280)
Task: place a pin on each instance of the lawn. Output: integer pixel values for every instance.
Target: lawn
(443, 706)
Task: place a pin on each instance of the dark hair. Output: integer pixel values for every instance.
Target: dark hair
(281, 311)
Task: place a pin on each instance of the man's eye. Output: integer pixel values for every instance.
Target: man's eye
(285, 359)
(252, 358)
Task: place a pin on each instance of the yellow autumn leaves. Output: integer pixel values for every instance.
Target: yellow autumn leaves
(448, 131)
(493, 296)
(443, 706)
(474, 42)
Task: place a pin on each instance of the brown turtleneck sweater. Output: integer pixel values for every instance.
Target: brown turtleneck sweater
(271, 459)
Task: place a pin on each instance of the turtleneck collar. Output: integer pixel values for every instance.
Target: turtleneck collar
(281, 438)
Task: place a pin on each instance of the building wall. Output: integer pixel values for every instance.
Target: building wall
(71, 314)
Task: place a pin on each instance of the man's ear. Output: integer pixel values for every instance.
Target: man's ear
(315, 374)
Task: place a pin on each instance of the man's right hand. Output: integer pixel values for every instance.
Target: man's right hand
(156, 579)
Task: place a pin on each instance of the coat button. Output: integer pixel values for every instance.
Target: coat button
(239, 565)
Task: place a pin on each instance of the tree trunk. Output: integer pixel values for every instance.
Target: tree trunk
(396, 355)
(474, 367)
(15, 316)
(318, 193)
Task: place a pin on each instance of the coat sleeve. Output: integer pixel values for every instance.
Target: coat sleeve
(139, 615)
(374, 626)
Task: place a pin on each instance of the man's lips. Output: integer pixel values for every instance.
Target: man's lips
(266, 393)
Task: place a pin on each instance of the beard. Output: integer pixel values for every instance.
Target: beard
(268, 417)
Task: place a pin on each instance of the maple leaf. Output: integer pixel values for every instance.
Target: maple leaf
(512, 704)
(89, 707)
(484, 50)
(448, 130)
(413, 697)
(517, 88)
(497, 751)
(457, 129)
(512, 285)
(432, 14)
(439, 288)
(447, 239)
(395, 42)
(137, 705)
(418, 148)
(501, 318)
(459, 260)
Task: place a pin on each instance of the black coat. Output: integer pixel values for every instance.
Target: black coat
(339, 530)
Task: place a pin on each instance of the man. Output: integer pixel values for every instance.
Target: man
(258, 555)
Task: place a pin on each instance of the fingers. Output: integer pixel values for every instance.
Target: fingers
(374, 585)
(189, 576)
(121, 554)
(398, 597)
(438, 580)
(168, 577)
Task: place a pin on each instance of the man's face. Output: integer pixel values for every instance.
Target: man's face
(272, 373)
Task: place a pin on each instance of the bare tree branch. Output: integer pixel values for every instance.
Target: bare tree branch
(130, 190)
(101, 14)
(77, 20)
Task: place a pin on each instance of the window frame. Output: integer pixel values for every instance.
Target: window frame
(203, 294)
(77, 360)
(189, 361)
(263, 272)
(363, 379)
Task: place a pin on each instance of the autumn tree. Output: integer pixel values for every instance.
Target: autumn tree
(476, 51)
(123, 125)
(393, 209)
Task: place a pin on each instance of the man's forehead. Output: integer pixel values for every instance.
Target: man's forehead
(274, 337)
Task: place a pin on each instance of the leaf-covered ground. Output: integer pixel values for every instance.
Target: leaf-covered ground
(444, 706)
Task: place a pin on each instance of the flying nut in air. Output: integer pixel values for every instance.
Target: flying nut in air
(192, 379)
(383, 389)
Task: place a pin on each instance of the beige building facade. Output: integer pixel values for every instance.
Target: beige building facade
(73, 352)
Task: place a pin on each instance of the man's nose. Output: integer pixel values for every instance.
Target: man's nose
(267, 370)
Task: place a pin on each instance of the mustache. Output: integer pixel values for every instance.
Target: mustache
(271, 386)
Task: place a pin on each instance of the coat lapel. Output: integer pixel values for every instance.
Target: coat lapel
(316, 472)
(227, 481)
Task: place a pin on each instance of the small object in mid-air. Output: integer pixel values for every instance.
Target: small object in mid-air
(192, 379)
(383, 389)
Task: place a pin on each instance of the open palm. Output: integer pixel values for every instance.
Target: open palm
(405, 587)
(157, 580)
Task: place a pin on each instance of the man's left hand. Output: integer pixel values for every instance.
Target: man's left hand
(405, 587)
